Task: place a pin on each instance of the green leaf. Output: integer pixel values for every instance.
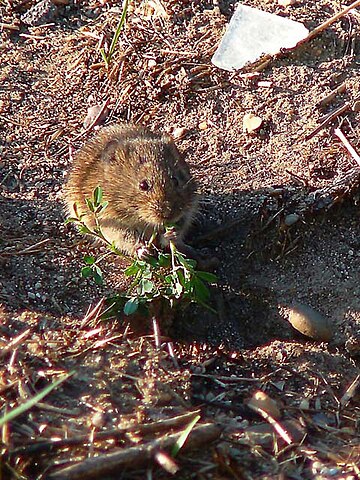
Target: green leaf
(144, 287)
(89, 260)
(153, 262)
(89, 204)
(32, 401)
(181, 259)
(101, 207)
(98, 276)
(114, 249)
(97, 196)
(86, 272)
(71, 220)
(147, 286)
(178, 289)
(191, 263)
(132, 270)
(181, 278)
(202, 293)
(84, 230)
(164, 260)
(104, 57)
(183, 437)
(188, 263)
(208, 277)
(131, 306)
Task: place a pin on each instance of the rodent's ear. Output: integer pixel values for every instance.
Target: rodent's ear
(108, 153)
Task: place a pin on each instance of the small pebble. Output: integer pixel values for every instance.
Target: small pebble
(98, 419)
(291, 219)
(203, 126)
(179, 132)
(356, 106)
(310, 323)
(152, 63)
(31, 295)
(251, 123)
(286, 3)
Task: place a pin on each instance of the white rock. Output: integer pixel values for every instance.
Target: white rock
(252, 34)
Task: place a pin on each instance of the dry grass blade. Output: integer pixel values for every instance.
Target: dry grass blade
(271, 420)
(183, 437)
(93, 314)
(32, 401)
(350, 392)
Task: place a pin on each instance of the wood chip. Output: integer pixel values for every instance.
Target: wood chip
(261, 400)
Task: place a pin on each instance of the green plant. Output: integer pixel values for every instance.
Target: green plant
(95, 206)
(166, 277)
(107, 56)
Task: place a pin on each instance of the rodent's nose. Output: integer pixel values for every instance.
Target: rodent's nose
(167, 210)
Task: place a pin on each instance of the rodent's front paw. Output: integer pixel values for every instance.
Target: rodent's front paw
(142, 252)
(171, 235)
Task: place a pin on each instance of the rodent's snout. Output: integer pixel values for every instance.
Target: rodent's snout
(166, 211)
(161, 212)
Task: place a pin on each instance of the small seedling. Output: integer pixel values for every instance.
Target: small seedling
(169, 277)
(107, 56)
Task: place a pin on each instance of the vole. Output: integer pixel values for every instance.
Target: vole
(145, 181)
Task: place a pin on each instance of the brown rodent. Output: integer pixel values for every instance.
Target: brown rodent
(145, 181)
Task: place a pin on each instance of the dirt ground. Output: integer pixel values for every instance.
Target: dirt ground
(252, 187)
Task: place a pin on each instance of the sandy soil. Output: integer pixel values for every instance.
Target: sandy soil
(161, 75)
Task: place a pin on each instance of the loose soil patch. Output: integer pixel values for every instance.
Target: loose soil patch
(253, 185)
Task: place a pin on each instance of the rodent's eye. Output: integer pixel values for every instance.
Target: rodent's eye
(144, 185)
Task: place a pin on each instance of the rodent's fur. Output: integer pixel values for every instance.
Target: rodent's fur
(145, 181)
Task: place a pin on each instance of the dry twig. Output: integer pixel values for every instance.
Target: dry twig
(133, 457)
(329, 22)
(15, 342)
(347, 145)
(38, 448)
(330, 96)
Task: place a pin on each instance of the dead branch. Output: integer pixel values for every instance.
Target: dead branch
(329, 22)
(339, 111)
(330, 96)
(144, 429)
(103, 465)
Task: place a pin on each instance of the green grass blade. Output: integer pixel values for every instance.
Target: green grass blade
(118, 31)
(33, 401)
(183, 437)
(104, 57)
